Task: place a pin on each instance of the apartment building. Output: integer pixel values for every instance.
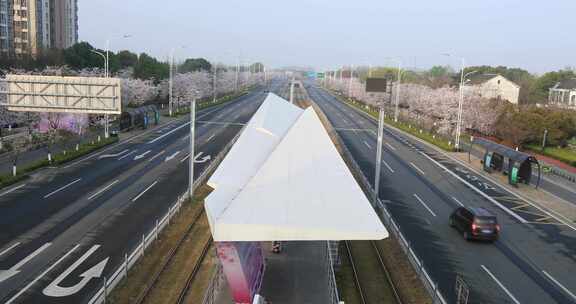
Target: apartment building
(28, 26)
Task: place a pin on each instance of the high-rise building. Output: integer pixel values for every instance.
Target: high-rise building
(5, 27)
(64, 23)
(28, 26)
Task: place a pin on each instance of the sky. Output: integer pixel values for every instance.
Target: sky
(537, 35)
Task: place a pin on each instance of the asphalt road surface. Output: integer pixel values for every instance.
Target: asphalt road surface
(65, 229)
(533, 262)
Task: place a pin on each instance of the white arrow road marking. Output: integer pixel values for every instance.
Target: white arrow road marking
(112, 155)
(102, 190)
(126, 155)
(169, 158)
(12, 190)
(54, 290)
(142, 193)
(23, 290)
(14, 270)
(154, 157)
(9, 248)
(137, 157)
(62, 188)
(196, 160)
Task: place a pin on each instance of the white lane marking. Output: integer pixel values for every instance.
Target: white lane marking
(54, 290)
(387, 166)
(12, 190)
(23, 290)
(137, 157)
(174, 130)
(566, 290)
(186, 137)
(486, 196)
(61, 188)
(102, 190)
(210, 138)
(203, 160)
(126, 155)
(5, 251)
(14, 270)
(185, 157)
(416, 167)
(367, 145)
(501, 285)
(112, 155)
(424, 204)
(390, 146)
(459, 202)
(169, 158)
(154, 157)
(142, 193)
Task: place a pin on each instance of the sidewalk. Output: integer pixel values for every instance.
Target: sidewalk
(33, 156)
(555, 205)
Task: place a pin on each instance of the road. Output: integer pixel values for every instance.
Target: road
(534, 260)
(65, 229)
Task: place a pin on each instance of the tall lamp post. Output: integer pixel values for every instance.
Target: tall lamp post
(399, 82)
(192, 137)
(106, 66)
(107, 74)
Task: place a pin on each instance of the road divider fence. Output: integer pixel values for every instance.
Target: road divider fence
(130, 260)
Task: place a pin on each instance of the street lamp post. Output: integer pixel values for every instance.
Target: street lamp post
(379, 153)
(170, 82)
(460, 107)
(106, 58)
(192, 153)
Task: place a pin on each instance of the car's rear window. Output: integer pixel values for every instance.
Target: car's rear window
(485, 220)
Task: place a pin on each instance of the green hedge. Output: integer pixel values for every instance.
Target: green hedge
(58, 159)
(562, 154)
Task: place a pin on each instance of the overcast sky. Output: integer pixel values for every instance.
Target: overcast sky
(537, 35)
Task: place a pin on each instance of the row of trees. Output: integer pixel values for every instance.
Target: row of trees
(435, 110)
(534, 88)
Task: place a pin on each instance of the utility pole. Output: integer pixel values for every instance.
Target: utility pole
(214, 84)
(192, 153)
(170, 83)
(379, 153)
(350, 82)
(396, 110)
(237, 72)
(292, 91)
(544, 139)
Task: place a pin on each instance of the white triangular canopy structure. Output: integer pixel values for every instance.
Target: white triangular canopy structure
(283, 180)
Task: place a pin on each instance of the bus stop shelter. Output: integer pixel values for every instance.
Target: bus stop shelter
(516, 165)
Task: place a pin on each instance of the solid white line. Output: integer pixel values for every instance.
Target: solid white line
(486, 196)
(174, 130)
(390, 146)
(102, 190)
(459, 202)
(154, 157)
(424, 204)
(23, 290)
(142, 193)
(210, 138)
(185, 158)
(12, 190)
(126, 155)
(416, 167)
(387, 166)
(501, 285)
(566, 290)
(367, 145)
(62, 188)
(9, 249)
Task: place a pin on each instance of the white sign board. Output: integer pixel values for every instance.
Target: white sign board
(91, 95)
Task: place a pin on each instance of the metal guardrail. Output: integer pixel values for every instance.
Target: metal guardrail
(108, 284)
(332, 262)
(386, 217)
(215, 285)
